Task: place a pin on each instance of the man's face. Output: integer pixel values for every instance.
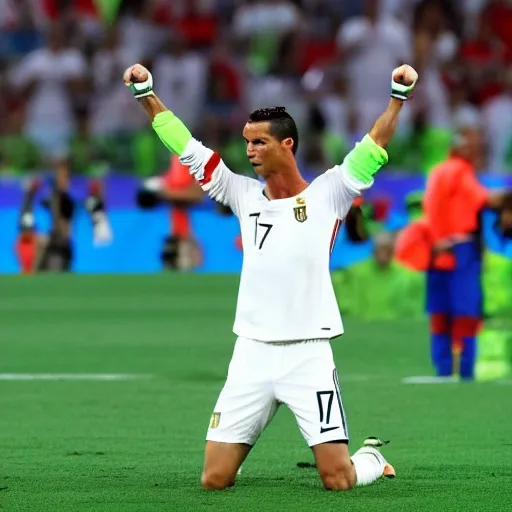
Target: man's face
(264, 151)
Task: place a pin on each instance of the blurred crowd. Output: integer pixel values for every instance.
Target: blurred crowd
(214, 61)
(65, 109)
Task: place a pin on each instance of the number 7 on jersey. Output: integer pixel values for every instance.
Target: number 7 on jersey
(267, 227)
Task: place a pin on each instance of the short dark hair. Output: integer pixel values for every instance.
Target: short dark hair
(282, 124)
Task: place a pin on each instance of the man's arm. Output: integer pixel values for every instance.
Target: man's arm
(385, 126)
(499, 199)
(368, 156)
(204, 164)
(171, 131)
(152, 105)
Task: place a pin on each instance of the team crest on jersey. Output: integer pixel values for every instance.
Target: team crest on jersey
(300, 210)
(215, 420)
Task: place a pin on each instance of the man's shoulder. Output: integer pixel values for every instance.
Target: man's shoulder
(251, 188)
(254, 186)
(324, 177)
(338, 173)
(442, 174)
(451, 166)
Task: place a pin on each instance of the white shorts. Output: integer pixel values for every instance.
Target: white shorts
(261, 376)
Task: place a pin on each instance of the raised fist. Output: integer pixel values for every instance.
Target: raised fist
(404, 75)
(139, 80)
(135, 74)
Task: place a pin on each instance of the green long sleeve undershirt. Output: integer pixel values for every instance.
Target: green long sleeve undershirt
(171, 131)
(363, 162)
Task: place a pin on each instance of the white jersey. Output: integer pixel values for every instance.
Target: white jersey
(286, 291)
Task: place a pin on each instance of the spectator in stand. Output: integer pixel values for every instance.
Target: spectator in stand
(371, 42)
(262, 25)
(49, 78)
(182, 80)
(497, 119)
(109, 115)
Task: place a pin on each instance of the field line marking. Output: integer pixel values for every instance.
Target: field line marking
(73, 376)
(429, 379)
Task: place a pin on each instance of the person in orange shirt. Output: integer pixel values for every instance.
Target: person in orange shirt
(453, 203)
(179, 189)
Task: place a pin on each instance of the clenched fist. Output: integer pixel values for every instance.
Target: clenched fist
(135, 74)
(403, 81)
(405, 75)
(139, 80)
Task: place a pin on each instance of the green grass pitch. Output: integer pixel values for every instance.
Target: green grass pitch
(137, 445)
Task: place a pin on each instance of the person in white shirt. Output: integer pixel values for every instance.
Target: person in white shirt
(371, 44)
(110, 113)
(264, 16)
(497, 121)
(51, 74)
(287, 312)
(182, 84)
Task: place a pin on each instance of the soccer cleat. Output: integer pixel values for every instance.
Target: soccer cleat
(375, 442)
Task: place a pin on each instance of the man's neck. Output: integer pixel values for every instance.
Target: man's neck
(284, 185)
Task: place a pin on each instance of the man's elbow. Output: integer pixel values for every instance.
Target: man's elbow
(498, 200)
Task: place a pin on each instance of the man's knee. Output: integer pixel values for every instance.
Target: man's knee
(216, 481)
(338, 479)
(222, 461)
(334, 466)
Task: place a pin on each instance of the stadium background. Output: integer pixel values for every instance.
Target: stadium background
(107, 382)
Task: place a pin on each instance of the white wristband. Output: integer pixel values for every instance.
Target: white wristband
(142, 89)
(401, 91)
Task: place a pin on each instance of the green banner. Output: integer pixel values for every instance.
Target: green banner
(108, 9)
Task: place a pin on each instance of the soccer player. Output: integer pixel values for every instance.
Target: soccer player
(286, 312)
(453, 203)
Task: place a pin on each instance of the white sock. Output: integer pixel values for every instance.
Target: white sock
(369, 465)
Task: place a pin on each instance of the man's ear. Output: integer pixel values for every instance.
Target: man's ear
(288, 143)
